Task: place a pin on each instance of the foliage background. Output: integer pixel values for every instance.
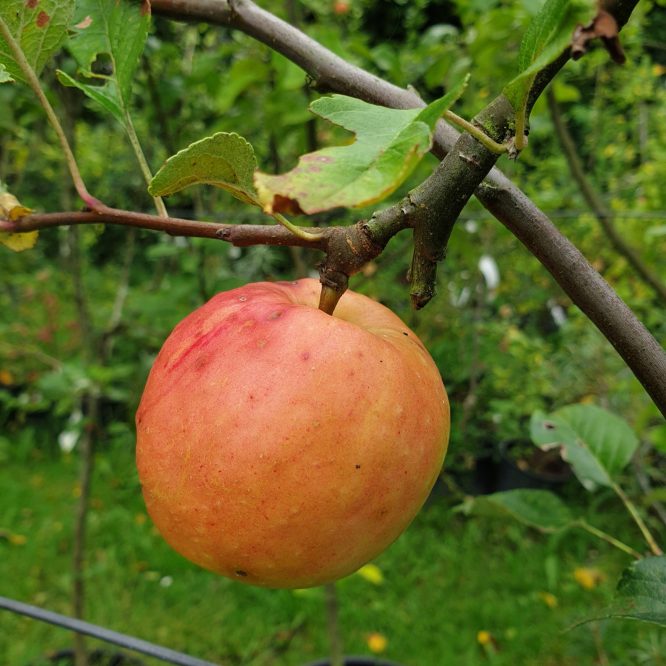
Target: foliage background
(504, 336)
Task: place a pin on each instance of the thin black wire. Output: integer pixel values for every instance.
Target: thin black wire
(122, 640)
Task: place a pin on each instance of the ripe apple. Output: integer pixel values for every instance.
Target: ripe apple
(284, 447)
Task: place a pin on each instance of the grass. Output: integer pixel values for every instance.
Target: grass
(445, 580)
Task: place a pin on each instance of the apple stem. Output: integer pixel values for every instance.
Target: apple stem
(329, 298)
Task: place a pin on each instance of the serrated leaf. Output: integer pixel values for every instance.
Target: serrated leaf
(389, 144)
(225, 160)
(540, 509)
(597, 443)
(547, 37)
(12, 209)
(40, 28)
(5, 76)
(641, 592)
(115, 31)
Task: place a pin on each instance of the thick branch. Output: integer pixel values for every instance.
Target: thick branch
(603, 214)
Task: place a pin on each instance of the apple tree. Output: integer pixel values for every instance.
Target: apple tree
(410, 170)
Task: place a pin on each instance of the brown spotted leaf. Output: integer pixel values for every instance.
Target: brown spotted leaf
(389, 144)
(39, 27)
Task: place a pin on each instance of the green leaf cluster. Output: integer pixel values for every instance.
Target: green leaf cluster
(108, 35)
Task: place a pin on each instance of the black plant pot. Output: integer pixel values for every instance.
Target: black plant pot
(357, 661)
(522, 465)
(98, 657)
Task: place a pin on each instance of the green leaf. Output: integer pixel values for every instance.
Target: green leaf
(597, 443)
(389, 144)
(547, 37)
(5, 76)
(641, 592)
(540, 509)
(113, 33)
(225, 160)
(40, 28)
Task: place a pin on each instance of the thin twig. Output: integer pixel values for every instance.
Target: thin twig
(633, 511)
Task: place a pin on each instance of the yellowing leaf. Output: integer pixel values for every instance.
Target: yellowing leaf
(11, 209)
(19, 242)
(389, 144)
(18, 539)
(372, 573)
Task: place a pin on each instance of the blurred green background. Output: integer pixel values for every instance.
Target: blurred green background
(83, 314)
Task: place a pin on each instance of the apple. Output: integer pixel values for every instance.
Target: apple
(282, 446)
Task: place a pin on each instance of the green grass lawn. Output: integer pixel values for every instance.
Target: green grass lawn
(444, 581)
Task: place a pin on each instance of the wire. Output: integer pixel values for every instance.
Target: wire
(114, 637)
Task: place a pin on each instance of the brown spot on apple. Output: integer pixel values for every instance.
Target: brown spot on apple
(31, 4)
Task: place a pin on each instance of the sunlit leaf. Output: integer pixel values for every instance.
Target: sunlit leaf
(597, 443)
(39, 27)
(225, 160)
(12, 209)
(389, 144)
(107, 43)
(546, 39)
(540, 509)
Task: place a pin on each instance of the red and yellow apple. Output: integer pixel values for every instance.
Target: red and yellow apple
(282, 446)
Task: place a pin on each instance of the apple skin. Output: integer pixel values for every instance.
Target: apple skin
(284, 447)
